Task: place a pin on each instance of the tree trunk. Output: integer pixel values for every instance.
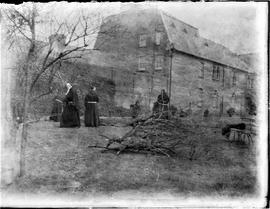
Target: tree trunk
(24, 121)
(26, 104)
(29, 65)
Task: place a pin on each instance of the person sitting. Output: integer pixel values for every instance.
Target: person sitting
(70, 115)
(162, 104)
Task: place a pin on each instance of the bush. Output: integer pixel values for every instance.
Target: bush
(231, 112)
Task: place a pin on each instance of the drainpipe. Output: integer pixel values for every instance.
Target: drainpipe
(170, 74)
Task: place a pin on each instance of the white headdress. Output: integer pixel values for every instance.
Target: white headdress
(69, 87)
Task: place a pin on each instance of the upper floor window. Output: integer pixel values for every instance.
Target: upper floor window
(216, 73)
(158, 62)
(234, 79)
(141, 64)
(158, 38)
(250, 82)
(215, 99)
(142, 40)
(201, 71)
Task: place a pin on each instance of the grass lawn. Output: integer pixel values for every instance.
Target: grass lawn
(60, 162)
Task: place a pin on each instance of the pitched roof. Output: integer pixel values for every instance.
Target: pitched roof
(251, 59)
(186, 38)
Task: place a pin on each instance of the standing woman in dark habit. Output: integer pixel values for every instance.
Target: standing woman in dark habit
(91, 117)
(70, 116)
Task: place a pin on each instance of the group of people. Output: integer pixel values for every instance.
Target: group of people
(160, 107)
(67, 110)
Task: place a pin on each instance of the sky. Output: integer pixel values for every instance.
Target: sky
(232, 24)
(235, 25)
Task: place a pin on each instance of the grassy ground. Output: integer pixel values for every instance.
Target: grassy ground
(59, 162)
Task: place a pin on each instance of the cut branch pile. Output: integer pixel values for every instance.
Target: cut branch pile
(149, 135)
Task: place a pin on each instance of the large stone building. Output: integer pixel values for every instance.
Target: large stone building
(153, 50)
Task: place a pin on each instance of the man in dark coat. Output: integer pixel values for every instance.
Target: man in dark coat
(57, 108)
(162, 102)
(91, 116)
(70, 115)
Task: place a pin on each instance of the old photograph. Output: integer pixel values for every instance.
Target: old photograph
(150, 104)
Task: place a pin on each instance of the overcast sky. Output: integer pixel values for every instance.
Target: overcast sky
(231, 24)
(235, 25)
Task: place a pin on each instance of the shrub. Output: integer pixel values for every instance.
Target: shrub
(231, 111)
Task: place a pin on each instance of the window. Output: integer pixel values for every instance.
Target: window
(158, 38)
(172, 25)
(142, 40)
(233, 98)
(200, 102)
(215, 99)
(234, 79)
(202, 71)
(216, 73)
(142, 64)
(158, 62)
(250, 82)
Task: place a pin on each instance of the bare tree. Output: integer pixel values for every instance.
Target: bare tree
(68, 41)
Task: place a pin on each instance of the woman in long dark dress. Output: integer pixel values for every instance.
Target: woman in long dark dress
(70, 115)
(91, 116)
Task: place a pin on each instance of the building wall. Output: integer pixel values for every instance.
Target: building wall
(116, 87)
(192, 90)
(189, 89)
(124, 44)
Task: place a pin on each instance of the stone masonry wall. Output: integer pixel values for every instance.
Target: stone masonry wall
(196, 90)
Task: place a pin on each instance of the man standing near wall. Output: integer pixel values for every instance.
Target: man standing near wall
(163, 105)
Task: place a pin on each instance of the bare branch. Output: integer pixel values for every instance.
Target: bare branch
(21, 15)
(41, 95)
(18, 28)
(45, 67)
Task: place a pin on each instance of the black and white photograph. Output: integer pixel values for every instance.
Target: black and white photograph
(148, 104)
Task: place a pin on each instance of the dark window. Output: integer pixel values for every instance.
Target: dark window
(201, 93)
(234, 79)
(201, 71)
(250, 82)
(173, 25)
(216, 73)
